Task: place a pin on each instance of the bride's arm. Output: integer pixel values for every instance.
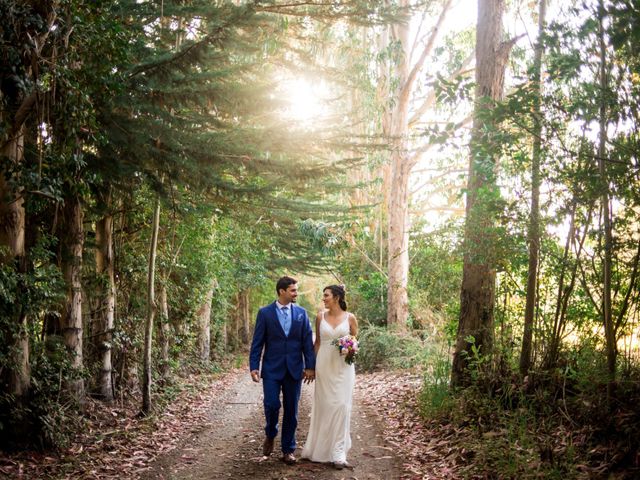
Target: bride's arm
(316, 344)
(353, 325)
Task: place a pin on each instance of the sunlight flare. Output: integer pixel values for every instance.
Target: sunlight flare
(307, 101)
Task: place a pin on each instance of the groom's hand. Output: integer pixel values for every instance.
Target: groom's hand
(309, 376)
(255, 376)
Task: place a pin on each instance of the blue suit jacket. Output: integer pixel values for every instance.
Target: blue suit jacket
(282, 354)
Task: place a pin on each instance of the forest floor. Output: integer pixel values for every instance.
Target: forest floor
(212, 428)
(231, 444)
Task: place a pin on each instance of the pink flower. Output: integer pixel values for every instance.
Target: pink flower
(347, 347)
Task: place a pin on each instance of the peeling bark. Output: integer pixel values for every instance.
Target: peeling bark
(72, 244)
(106, 304)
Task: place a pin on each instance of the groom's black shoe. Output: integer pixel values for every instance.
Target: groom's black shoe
(289, 458)
(267, 446)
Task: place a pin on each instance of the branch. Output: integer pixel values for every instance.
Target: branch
(427, 146)
(20, 117)
(415, 40)
(406, 89)
(441, 209)
(437, 177)
(431, 98)
(630, 290)
(211, 38)
(366, 257)
(585, 285)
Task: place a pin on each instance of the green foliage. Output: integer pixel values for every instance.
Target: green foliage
(436, 396)
(47, 418)
(366, 284)
(27, 293)
(435, 276)
(381, 348)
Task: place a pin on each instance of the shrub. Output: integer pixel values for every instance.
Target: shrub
(381, 348)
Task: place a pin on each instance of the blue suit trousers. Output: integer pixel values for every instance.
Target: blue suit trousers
(290, 389)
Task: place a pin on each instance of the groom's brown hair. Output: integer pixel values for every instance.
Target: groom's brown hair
(283, 283)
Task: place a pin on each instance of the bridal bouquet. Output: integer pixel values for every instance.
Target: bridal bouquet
(348, 348)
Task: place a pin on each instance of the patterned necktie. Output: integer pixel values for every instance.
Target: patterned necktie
(286, 323)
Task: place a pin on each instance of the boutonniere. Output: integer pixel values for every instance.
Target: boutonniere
(300, 316)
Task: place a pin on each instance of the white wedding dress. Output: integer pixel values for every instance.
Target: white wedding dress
(329, 437)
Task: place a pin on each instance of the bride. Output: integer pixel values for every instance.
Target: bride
(329, 437)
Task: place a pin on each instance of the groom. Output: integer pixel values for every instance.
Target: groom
(283, 332)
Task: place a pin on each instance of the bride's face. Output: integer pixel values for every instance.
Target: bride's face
(328, 299)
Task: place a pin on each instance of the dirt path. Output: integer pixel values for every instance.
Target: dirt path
(230, 445)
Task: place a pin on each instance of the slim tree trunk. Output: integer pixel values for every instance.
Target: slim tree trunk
(534, 220)
(151, 311)
(106, 303)
(224, 337)
(609, 329)
(72, 243)
(129, 374)
(478, 274)
(164, 331)
(565, 289)
(384, 171)
(204, 324)
(554, 344)
(243, 309)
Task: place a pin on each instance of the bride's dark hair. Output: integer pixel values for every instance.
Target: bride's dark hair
(338, 291)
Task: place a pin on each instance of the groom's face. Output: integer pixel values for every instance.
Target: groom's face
(289, 295)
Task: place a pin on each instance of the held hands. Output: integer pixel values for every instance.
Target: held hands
(309, 376)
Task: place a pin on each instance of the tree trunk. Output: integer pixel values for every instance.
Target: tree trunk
(478, 274)
(243, 311)
(12, 235)
(12, 212)
(565, 290)
(130, 374)
(398, 191)
(534, 220)
(106, 303)
(224, 337)
(151, 311)
(609, 330)
(204, 324)
(398, 242)
(402, 162)
(164, 330)
(72, 243)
